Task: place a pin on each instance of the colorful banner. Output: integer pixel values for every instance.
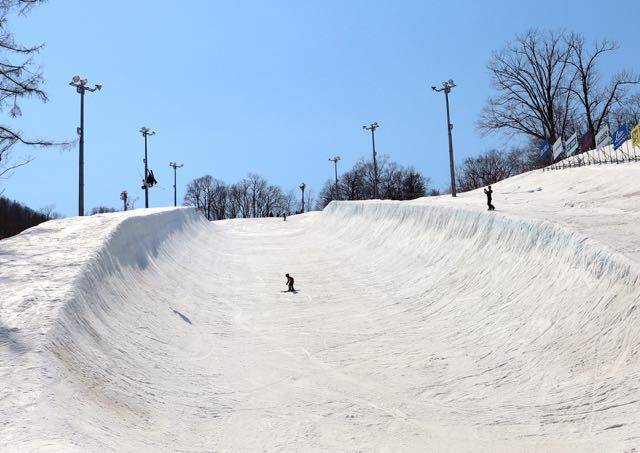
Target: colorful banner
(635, 136)
(558, 147)
(586, 142)
(545, 150)
(572, 144)
(603, 138)
(620, 136)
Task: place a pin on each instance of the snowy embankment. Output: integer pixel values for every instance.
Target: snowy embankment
(423, 325)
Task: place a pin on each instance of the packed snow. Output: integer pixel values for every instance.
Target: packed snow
(428, 325)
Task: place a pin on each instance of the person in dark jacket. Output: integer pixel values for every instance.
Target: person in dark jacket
(290, 283)
(488, 192)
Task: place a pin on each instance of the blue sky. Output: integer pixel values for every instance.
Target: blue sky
(272, 87)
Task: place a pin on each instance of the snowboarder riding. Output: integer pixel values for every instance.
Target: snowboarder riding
(290, 283)
(150, 181)
(488, 192)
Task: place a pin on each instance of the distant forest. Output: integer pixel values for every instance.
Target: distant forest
(16, 217)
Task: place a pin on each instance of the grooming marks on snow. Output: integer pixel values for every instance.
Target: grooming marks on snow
(10, 339)
(424, 324)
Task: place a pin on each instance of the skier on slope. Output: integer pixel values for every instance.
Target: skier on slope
(290, 283)
(488, 192)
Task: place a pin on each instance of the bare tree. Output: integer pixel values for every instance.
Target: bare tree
(308, 202)
(628, 112)
(493, 166)
(102, 210)
(595, 99)
(414, 184)
(234, 201)
(218, 199)
(198, 194)
(253, 196)
(395, 183)
(49, 212)
(240, 191)
(272, 201)
(257, 185)
(19, 79)
(532, 75)
(291, 201)
(210, 195)
(131, 202)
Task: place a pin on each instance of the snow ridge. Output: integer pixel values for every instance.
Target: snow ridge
(511, 234)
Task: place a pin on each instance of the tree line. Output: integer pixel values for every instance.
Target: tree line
(395, 182)
(252, 196)
(16, 217)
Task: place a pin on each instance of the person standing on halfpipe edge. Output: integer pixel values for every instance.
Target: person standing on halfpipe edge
(488, 192)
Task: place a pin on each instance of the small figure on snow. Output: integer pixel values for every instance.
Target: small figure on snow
(290, 283)
(488, 192)
(284, 216)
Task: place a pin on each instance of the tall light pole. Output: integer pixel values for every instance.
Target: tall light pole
(145, 131)
(335, 160)
(175, 191)
(372, 127)
(302, 186)
(81, 88)
(446, 87)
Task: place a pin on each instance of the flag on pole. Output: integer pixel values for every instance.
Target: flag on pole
(545, 150)
(603, 138)
(558, 147)
(572, 144)
(620, 136)
(635, 136)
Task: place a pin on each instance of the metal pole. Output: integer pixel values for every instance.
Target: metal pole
(81, 87)
(372, 127)
(375, 163)
(146, 188)
(302, 200)
(81, 156)
(335, 164)
(175, 193)
(175, 167)
(449, 127)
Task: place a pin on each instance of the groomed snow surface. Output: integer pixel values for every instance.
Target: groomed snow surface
(430, 325)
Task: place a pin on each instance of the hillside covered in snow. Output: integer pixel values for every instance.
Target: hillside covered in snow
(429, 325)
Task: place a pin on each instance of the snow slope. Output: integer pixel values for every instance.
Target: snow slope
(430, 325)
